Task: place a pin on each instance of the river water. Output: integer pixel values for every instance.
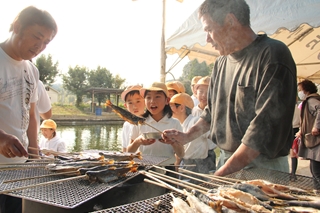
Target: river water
(96, 136)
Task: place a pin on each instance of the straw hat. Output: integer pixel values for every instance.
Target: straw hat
(48, 124)
(175, 85)
(195, 79)
(155, 86)
(182, 98)
(203, 81)
(129, 89)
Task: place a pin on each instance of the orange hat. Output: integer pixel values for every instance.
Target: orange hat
(203, 81)
(48, 124)
(155, 86)
(175, 85)
(195, 79)
(129, 89)
(182, 98)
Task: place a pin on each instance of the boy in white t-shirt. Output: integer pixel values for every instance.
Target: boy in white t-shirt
(196, 151)
(201, 90)
(134, 103)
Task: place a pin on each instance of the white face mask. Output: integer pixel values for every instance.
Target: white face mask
(301, 95)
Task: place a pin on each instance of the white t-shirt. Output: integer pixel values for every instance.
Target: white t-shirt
(18, 88)
(158, 148)
(198, 148)
(43, 104)
(56, 144)
(195, 100)
(126, 131)
(196, 112)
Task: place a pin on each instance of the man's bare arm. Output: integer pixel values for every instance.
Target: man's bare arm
(32, 130)
(243, 156)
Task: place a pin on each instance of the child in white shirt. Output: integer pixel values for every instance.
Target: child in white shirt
(196, 151)
(134, 103)
(158, 114)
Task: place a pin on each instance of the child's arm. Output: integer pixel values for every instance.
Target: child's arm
(178, 149)
(136, 143)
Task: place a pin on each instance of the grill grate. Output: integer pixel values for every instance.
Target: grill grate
(302, 182)
(68, 194)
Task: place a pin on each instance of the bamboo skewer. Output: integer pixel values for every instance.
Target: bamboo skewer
(158, 179)
(187, 176)
(152, 127)
(21, 167)
(42, 184)
(207, 176)
(35, 155)
(40, 176)
(178, 181)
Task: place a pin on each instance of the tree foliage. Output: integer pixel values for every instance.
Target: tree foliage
(76, 82)
(101, 77)
(47, 69)
(194, 68)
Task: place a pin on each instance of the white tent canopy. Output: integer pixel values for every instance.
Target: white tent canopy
(294, 22)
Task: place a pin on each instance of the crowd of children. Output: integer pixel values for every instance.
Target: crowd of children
(167, 106)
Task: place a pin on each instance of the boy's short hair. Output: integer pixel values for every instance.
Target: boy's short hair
(31, 16)
(130, 90)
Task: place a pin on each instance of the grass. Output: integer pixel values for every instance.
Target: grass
(66, 110)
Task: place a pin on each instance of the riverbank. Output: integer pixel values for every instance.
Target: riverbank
(71, 115)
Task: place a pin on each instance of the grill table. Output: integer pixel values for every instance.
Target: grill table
(64, 196)
(273, 176)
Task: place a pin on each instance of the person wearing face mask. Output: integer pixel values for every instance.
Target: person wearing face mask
(310, 123)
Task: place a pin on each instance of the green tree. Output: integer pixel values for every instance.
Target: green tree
(76, 82)
(101, 77)
(191, 69)
(47, 70)
(118, 81)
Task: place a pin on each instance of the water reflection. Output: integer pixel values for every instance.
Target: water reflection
(84, 137)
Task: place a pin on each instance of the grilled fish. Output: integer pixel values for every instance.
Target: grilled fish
(109, 174)
(126, 115)
(121, 156)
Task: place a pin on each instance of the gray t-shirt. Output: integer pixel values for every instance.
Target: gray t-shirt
(251, 98)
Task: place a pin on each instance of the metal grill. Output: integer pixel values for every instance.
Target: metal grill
(67, 194)
(302, 182)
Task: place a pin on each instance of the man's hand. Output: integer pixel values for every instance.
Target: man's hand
(10, 146)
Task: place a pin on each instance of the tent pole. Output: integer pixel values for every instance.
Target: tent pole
(163, 52)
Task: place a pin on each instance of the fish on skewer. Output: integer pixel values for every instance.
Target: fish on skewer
(126, 115)
(74, 166)
(121, 156)
(102, 176)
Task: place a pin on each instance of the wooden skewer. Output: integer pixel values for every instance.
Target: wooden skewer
(189, 165)
(35, 155)
(42, 184)
(226, 178)
(152, 127)
(160, 181)
(18, 164)
(169, 186)
(21, 167)
(178, 181)
(40, 176)
(206, 176)
(187, 176)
